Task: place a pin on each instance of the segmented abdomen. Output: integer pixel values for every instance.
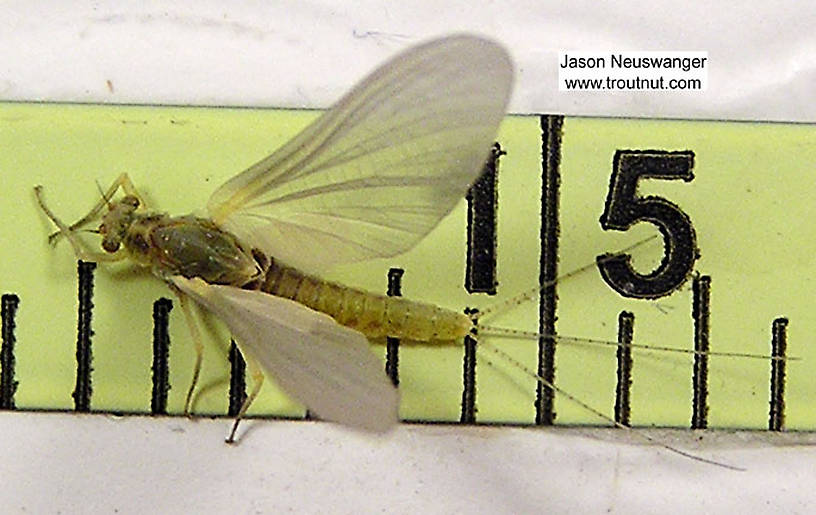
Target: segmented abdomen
(373, 315)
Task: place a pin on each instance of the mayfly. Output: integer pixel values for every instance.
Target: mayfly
(369, 178)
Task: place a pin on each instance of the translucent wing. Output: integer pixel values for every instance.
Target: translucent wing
(374, 174)
(327, 367)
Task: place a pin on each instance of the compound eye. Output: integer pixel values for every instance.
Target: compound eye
(110, 245)
(131, 201)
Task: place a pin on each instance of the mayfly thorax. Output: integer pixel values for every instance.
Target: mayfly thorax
(186, 246)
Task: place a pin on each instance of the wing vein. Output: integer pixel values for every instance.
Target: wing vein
(420, 126)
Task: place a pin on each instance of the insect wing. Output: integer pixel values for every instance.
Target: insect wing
(374, 174)
(327, 367)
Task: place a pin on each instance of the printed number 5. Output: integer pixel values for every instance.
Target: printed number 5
(624, 208)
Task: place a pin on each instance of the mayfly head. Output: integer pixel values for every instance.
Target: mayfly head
(116, 222)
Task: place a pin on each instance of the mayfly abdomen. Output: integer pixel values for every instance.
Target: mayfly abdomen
(375, 316)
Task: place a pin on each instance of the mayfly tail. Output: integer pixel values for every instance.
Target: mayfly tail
(532, 293)
(643, 436)
(518, 333)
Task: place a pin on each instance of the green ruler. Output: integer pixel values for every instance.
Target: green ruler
(734, 272)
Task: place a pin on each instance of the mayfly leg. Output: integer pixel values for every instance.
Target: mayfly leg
(254, 369)
(198, 345)
(80, 249)
(124, 182)
(257, 375)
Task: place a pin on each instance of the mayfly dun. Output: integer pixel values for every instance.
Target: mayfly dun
(369, 178)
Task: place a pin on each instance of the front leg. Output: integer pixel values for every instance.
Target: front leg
(123, 181)
(81, 250)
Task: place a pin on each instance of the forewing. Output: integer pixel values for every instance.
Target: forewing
(375, 173)
(327, 367)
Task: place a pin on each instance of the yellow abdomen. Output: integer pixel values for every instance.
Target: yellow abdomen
(373, 315)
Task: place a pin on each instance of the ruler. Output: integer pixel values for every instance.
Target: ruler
(732, 272)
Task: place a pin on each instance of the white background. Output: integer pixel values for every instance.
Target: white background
(762, 67)
(762, 54)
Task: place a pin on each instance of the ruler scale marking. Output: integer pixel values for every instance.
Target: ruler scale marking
(701, 288)
(392, 344)
(779, 345)
(84, 356)
(551, 126)
(626, 322)
(161, 350)
(8, 385)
